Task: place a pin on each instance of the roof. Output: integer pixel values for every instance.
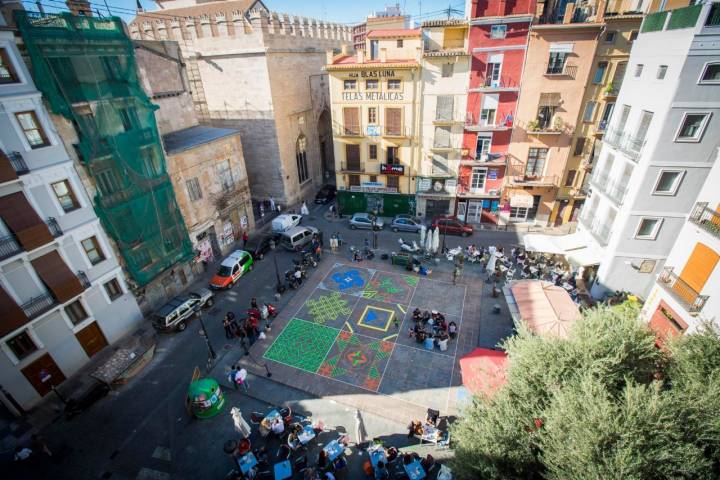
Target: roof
(545, 308)
(231, 259)
(347, 62)
(483, 370)
(207, 8)
(192, 137)
(394, 32)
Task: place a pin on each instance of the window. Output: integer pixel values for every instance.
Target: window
(643, 126)
(34, 133)
(128, 118)
(442, 137)
(545, 116)
(372, 152)
(648, 228)
(487, 116)
(661, 71)
(600, 73)
(492, 74)
(556, 63)
(372, 115)
(393, 121)
(440, 164)
(113, 289)
(482, 147)
(22, 345)
(399, 43)
(372, 84)
(349, 84)
(444, 108)
(93, 250)
(477, 180)
(610, 36)
(351, 120)
(107, 181)
(373, 178)
(668, 182)
(518, 213)
(447, 70)
(391, 156)
(589, 111)
(193, 188)
(498, 31)
(633, 35)
(224, 175)
(536, 162)
(692, 127)
(570, 179)
(638, 69)
(394, 84)
(711, 73)
(354, 180)
(301, 159)
(624, 114)
(579, 146)
(76, 312)
(373, 49)
(7, 72)
(65, 195)
(392, 181)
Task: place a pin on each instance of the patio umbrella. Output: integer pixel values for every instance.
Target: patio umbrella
(428, 241)
(360, 431)
(491, 263)
(422, 235)
(241, 426)
(436, 240)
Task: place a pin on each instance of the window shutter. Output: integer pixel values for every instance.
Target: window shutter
(352, 157)
(57, 276)
(7, 171)
(442, 137)
(699, 267)
(549, 99)
(13, 316)
(444, 108)
(20, 217)
(351, 120)
(579, 146)
(393, 121)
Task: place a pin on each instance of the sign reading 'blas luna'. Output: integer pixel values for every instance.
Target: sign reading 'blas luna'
(369, 95)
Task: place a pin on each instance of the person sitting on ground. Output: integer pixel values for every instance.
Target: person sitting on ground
(293, 440)
(420, 336)
(356, 256)
(442, 324)
(432, 417)
(415, 428)
(339, 463)
(278, 427)
(381, 471)
(452, 329)
(427, 462)
(408, 458)
(261, 454)
(417, 315)
(442, 341)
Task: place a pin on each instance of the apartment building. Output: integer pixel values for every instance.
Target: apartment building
(389, 18)
(559, 59)
(621, 23)
(444, 77)
(498, 41)
(63, 295)
(686, 293)
(375, 96)
(658, 148)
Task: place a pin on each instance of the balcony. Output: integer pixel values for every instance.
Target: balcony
(36, 306)
(84, 281)
(601, 233)
(706, 218)
(485, 159)
(9, 246)
(569, 71)
(616, 193)
(54, 228)
(503, 84)
(628, 144)
(446, 51)
(535, 180)
(691, 300)
(352, 167)
(18, 163)
(348, 131)
(396, 132)
(501, 122)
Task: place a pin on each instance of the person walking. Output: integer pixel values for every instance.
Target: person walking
(245, 238)
(456, 274)
(232, 375)
(227, 321)
(253, 303)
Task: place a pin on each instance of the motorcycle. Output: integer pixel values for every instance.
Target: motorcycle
(292, 281)
(407, 247)
(308, 259)
(358, 255)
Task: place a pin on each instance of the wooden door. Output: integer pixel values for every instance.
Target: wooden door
(352, 157)
(92, 339)
(43, 373)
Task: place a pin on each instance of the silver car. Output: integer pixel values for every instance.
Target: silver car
(403, 223)
(365, 220)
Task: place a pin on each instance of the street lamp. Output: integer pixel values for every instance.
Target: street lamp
(211, 351)
(375, 240)
(279, 286)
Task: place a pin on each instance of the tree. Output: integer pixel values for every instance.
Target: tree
(605, 402)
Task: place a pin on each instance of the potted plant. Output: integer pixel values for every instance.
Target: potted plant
(557, 124)
(609, 89)
(533, 125)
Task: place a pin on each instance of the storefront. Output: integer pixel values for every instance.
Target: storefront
(435, 196)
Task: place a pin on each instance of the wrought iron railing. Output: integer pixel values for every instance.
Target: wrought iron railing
(84, 280)
(706, 218)
(54, 227)
(36, 306)
(18, 163)
(616, 192)
(561, 70)
(681, 291)
(9, 246)
(630, 145)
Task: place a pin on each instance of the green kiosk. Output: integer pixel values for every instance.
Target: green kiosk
(205, 398)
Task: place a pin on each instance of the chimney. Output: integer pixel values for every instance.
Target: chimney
(360, 55)
(383, 55)
(79, 7)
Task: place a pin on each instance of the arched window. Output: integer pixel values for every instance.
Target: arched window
(301, 159)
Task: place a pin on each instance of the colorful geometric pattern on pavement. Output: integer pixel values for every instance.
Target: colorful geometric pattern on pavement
(390, 288)
(328, 307)
(302, 345)
(347, 279)
(376, 319)
(357, 360)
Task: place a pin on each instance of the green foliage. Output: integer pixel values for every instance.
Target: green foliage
(603, 403)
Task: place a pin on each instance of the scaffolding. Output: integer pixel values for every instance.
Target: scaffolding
(85, 68)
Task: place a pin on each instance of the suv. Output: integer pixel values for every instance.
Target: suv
(175, 314)
(325, 195)
(452, 226)
(365, 220)
(231, 269)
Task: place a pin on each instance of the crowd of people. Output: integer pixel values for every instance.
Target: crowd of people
(247, 329)
(432, 330)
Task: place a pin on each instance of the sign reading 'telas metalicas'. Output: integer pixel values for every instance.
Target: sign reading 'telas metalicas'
(373, 96)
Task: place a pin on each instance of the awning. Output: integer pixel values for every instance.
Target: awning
(575, 247)
(483, 370)
(544, 308)
(561, 47)
(521, 199)
(549, 99)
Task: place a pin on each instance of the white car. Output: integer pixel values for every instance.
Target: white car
(285, 222)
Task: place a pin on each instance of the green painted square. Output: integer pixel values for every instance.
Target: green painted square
(302, 345)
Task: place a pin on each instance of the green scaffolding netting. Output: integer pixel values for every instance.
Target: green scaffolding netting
(85, 68)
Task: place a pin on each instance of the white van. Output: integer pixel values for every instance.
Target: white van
(297, 237)
(286, 221)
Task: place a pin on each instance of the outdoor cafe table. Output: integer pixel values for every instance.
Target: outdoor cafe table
(246, 462)
(333, 450)
(430, 434)
(307, 434)
(415, 471)
(283, 470)
(378, 455)
(266, 423)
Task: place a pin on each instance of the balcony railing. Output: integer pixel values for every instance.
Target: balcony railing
(602, 126)
(502, 121)
(537, 180)
(706, 218)
(681, 291)
(616, 192)
(84, 281)
(9, 246)
(55, 229)
(18, 163)
(561, 71)
(347, 167)
(601, 232)
(630, 145)
(36, 306)
(503, 83)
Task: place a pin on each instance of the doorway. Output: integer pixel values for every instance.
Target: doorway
(436, 208)
(91, 339)
(43, 374)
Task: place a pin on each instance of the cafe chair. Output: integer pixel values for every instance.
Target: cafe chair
(283, 452)
(256, 418)
(285, 412)
(301, 464)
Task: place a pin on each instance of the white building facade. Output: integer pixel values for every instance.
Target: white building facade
(63, 295)
(658, 149)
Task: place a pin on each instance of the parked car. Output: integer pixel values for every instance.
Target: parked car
(452, 225)
(231, 269)
(296, 238)
(406, 223)
(175, 314)
(326, 194)
(259, 246)
(285, 222)
(365, 220)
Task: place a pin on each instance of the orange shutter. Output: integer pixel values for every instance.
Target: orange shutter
(57, 276)
(7, 171)
(25, 223)
(699, 267)
(351, 119)
(393, 121)
(13, 316)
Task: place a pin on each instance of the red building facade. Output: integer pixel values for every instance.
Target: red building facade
(498, 42)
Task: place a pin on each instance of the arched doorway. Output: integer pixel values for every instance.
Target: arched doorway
(325, 140)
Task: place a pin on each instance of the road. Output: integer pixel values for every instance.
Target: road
(142, 431)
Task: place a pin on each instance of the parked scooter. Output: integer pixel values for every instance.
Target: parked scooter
(408, 247)
(308, 259)
(358, 255)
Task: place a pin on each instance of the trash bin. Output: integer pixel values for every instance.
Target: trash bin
(206, 398)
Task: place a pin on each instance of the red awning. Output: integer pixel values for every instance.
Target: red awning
(483, 370)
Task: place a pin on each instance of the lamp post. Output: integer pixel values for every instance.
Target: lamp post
(279, 286)
(374, 229)
(211, 351)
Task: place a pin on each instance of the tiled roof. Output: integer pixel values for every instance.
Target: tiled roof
(194, 136)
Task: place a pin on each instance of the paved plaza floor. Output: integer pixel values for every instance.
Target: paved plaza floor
(347, 333)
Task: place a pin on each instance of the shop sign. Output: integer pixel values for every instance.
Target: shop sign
(373, 130)
(392, 169)
(424, 184)
(371, 184)
(492, 174)
(373, 189)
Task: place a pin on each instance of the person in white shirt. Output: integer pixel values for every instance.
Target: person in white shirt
(278, 427)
